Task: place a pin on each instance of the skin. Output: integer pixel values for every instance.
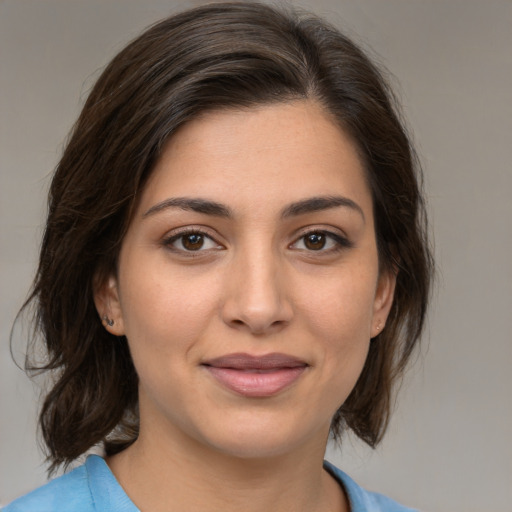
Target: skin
(257, 285)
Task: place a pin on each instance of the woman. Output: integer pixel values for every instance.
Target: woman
(234, 266)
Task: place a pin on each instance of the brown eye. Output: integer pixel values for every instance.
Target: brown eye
(192, 241)
(315, 241)
(322, 242)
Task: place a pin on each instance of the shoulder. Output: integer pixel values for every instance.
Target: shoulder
(89, 488)
(71, 489)
(362, 500)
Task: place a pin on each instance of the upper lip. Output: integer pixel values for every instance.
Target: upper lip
(242, 361)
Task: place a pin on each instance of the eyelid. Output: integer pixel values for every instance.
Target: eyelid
(342, 241)
(175, 234)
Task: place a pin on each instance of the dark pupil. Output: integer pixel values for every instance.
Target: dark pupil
(193, 242)
(315, 241)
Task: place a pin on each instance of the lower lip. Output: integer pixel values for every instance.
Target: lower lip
(256, 384)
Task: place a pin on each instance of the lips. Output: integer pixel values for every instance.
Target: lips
(256, 376)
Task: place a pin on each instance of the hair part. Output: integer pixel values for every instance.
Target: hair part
(233, 55)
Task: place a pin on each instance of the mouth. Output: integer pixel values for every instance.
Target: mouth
(256, 376)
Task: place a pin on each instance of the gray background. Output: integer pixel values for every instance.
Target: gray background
(448, 448)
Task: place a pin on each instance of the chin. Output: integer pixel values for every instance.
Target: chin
(255, 448)
(263, 440)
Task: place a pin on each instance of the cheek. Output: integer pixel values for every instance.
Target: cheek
(340, 320)
(164, 314)
(342, 308)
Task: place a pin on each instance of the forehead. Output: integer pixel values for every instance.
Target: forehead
(265, 156)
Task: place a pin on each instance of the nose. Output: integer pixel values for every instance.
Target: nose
(257, 300)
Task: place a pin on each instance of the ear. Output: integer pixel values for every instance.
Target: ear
(108, 305)
(384, 295)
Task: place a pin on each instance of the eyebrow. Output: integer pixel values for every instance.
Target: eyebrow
(316, 204)
(191, 204)
(208, 207)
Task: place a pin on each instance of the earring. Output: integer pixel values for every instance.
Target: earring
(379, 326)
(108, 321)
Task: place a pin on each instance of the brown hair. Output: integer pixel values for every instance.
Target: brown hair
(212, 57)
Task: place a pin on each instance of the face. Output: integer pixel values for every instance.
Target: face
(248, 283)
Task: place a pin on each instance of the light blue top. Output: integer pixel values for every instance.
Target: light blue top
(93, 488)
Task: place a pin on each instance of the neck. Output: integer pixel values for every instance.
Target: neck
(178, 473)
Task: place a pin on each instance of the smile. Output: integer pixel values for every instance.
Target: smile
(256, 376)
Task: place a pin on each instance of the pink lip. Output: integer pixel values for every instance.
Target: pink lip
(256, 376)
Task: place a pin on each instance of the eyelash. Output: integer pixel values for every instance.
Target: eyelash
(340, 242)
(171, 239)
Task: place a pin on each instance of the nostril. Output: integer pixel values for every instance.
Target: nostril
(255, 312)
(260, 329)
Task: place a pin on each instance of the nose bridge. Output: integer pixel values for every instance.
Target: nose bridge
(257, 297)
